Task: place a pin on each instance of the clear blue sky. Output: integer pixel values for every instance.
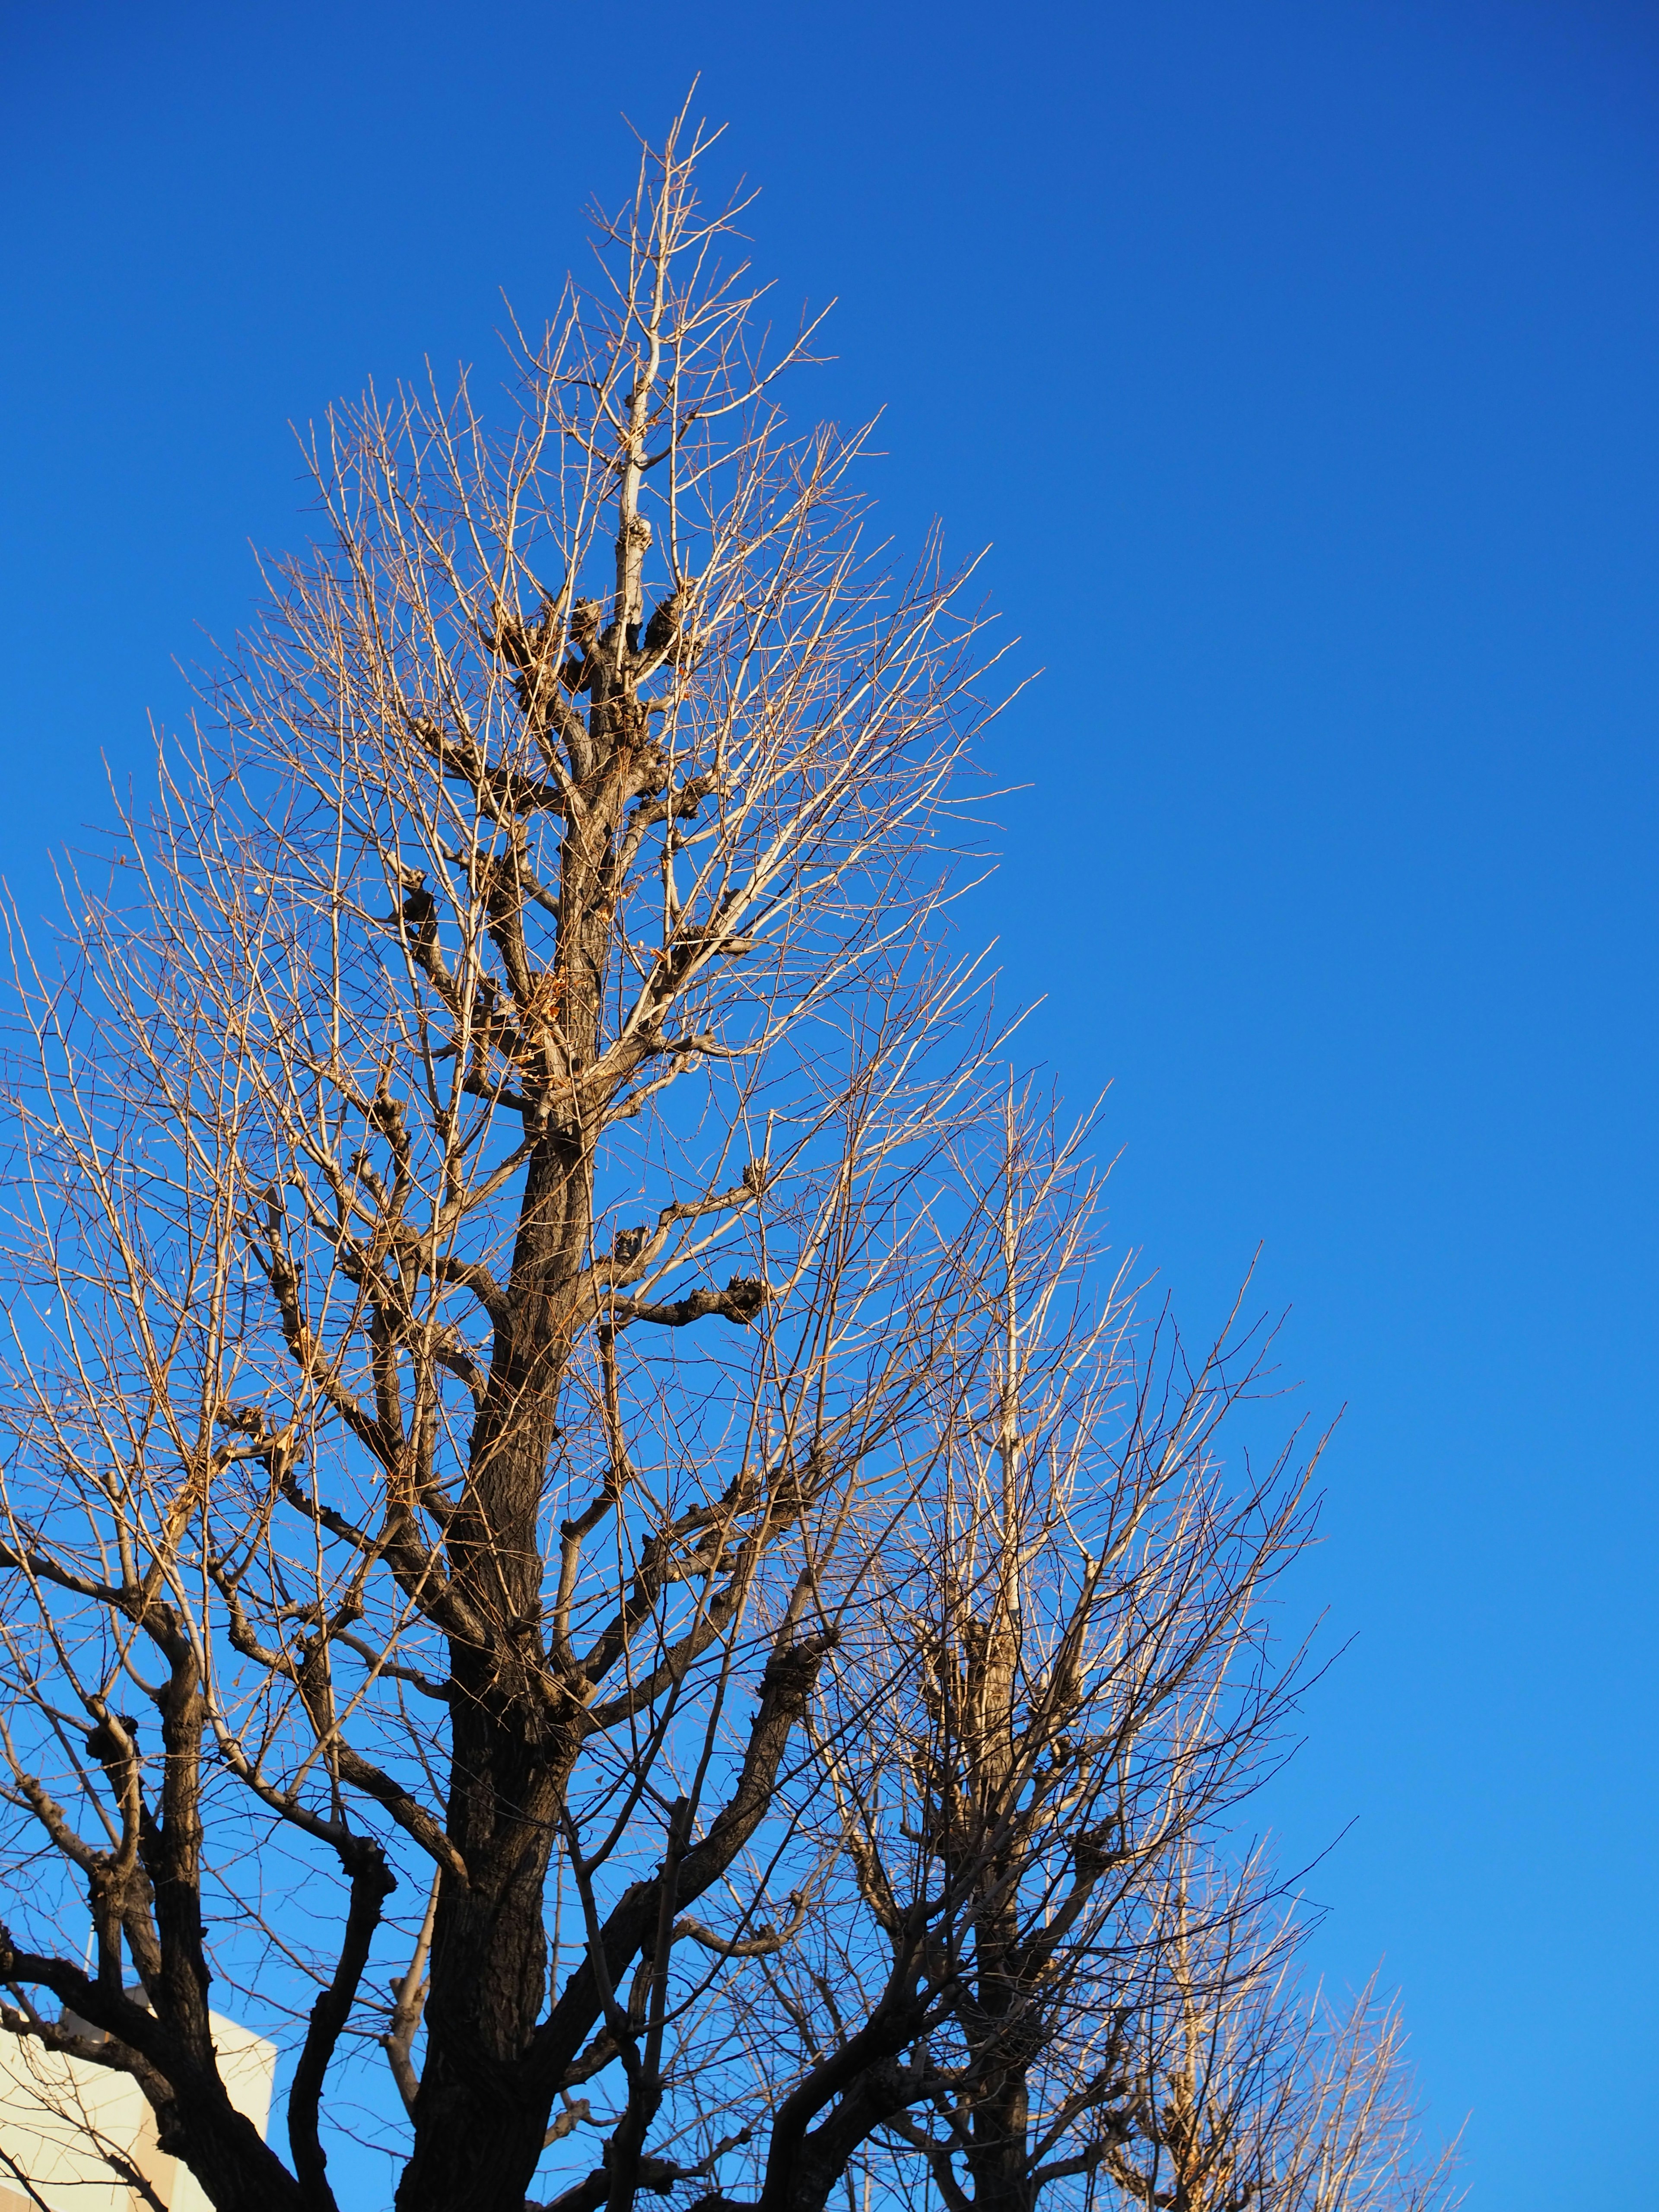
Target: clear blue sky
(1300, 359)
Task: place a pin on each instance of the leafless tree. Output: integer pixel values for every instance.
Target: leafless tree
(1250, 2093)
(558, 1448)
(1062, 1676)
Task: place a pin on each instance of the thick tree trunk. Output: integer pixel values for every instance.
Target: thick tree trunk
(478, 2130)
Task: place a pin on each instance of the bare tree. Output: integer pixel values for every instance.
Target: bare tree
(558, 1450)
(1062, 1675)
(1251, 2093)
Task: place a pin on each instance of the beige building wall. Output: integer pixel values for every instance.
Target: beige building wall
(55, 2111)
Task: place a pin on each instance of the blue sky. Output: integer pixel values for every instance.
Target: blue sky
(1299, 360)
